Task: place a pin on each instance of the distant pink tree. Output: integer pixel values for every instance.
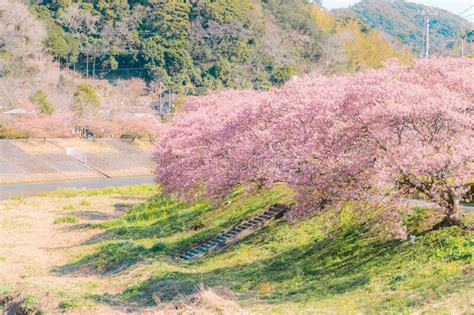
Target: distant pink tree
(400, 129)
(100, 126)
(136, 126)
(121, 124)
(43, 126)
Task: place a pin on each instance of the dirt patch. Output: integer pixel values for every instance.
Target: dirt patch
(38, 256)
(32, 246)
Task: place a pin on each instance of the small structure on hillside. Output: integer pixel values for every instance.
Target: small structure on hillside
(164, 104)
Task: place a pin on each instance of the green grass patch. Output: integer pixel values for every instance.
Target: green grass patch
(4, 288)
(12, 134)
(20, 200)
(133, 190)
(30, 301)
(70, 219)
(85, 203)
(111, 256)
(69, 207)
(68, 305)
(164, 227)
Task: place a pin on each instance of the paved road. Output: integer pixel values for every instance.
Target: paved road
(421, 203)
(29, 189)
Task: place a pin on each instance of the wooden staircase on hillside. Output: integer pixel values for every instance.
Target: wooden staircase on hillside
(224, 240)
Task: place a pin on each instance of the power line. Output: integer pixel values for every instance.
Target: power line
(461, 44)
(113, 70)
(469, 8)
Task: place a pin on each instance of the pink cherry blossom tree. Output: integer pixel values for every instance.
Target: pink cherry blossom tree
(121, 124)
(136, 126)
(43, 126)
(399, 129)
(424, 133)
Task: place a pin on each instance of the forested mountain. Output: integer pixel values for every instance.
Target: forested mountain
(125, 49)
(402, 21)
(203, 44)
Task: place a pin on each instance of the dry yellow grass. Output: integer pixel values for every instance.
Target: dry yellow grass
(32, 246)
(204, 302)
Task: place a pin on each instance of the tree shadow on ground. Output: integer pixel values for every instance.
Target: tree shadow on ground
(119, 252)
(326, 267)
(99, 238)
(93, 215)
(123, 207)
(131, 198)
(156, 219)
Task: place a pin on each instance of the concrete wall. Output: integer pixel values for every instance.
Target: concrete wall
(38, 160)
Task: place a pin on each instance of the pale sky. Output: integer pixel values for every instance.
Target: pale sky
(455, 6)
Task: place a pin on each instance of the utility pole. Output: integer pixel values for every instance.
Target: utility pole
(170, 106)
(460, 42)
(160, 86)
(427, 35)
(427, 14)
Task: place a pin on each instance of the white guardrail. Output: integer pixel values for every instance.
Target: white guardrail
(76, 155)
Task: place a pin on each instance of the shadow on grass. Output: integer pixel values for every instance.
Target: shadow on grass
(327, 267)
(119, 253)
(93, 215)
(159, 218)
(99, 238)
(123, 207)
(110, 258)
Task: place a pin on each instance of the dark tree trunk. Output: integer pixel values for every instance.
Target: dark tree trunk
(452, 214)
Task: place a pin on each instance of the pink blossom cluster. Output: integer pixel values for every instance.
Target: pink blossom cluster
(121, 124)
(400, 129)
(62, 125)
(36, 125)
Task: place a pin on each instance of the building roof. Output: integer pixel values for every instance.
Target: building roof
(17, 111)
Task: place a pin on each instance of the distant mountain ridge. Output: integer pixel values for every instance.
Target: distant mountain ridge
(401, 20)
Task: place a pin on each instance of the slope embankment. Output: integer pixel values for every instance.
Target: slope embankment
(24, 161)
(116, 251)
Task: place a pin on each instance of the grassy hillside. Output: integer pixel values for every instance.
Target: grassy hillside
(401, 20)
(320, 265)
